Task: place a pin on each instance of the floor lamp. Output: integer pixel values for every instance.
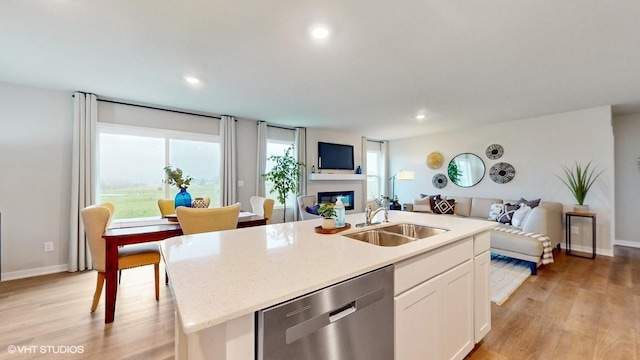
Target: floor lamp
(400, 175)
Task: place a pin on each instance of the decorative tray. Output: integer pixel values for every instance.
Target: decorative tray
(320, 230)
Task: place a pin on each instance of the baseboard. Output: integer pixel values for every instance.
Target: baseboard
(588, 249)
(34, 272)
(633, 244)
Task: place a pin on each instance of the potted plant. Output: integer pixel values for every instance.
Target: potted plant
(328, 212)
(579, 180)
(175, 177)
(284, 176)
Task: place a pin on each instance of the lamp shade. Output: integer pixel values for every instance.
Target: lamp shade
(405, 175)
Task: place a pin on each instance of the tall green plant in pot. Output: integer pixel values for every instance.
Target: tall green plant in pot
(579, 180)
(284, 175)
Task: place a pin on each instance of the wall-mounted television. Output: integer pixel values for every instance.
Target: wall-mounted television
(335, 156)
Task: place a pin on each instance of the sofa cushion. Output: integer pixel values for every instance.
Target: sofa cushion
(495, 211)
(480, 207)
(507, 213)
(520, 215)
(445, 206)
(463, 205)
(425, 202)
(516, 243)
(530, 203)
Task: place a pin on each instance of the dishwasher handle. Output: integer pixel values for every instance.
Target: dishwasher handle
(305, 328)
(338, 314)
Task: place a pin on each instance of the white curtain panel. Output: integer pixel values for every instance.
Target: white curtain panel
(261, 153)
(301, 147)
(363, 161)
(385, 169)
(229, 159)
(83, 170)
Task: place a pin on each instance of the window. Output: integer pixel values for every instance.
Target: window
(278, 148)
(374, 161)
(374, 170)
(131, 162)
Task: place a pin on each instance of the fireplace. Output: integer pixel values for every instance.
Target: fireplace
(331, 196)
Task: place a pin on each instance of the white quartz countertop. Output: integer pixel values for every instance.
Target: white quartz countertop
(219, 276)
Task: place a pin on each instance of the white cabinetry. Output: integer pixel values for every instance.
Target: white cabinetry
(434, 320)
(482, 295)
(442, 305)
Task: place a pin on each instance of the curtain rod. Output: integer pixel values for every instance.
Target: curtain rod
(155, 108)
(275, 126)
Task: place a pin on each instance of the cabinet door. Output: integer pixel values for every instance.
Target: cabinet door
(482, 306)
(417, 322)
(457, 309)
(434, 320)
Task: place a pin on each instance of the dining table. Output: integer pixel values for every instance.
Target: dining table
(164, 228)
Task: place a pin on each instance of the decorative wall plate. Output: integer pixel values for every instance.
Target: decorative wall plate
(435, 160)
(502, 173)
(494, 151)
(439, 181)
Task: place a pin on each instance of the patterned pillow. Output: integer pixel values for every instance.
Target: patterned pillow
(507, 213)
(444, 206)
(530, 203)
(495, 211)
(519, 215)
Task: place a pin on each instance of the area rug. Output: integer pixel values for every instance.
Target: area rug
(507, 275)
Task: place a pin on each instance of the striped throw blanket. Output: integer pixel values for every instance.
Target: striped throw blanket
(547, 255)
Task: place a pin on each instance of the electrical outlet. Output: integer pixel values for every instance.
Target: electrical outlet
(575, 230)
(48, 246)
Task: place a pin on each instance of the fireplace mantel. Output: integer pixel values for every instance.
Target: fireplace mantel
(350, 177)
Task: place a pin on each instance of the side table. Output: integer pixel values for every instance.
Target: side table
(568, 217)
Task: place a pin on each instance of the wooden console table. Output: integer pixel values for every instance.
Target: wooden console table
(568, 217)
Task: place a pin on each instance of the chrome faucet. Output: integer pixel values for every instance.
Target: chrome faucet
(369, 214)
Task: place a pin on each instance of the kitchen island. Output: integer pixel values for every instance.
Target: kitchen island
(220, 279)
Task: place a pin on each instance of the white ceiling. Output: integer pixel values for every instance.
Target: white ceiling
(461, 62)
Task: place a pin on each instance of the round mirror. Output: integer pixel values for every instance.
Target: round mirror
(466, 170)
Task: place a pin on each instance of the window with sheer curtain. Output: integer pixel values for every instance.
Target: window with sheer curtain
(374, 170)
(278, 141)
(131, 163)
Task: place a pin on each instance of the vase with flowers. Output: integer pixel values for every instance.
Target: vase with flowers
(175, 177)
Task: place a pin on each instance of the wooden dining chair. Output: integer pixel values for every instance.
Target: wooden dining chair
(96, 219)
(167, 207)
(194, 221)
(262, 206)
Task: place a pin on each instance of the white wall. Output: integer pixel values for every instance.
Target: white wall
(536, 147)
(35, 180)
(626, 130)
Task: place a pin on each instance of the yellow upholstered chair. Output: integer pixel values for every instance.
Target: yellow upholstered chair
(194, 221)
(96, 219)
(167, 207)
(262, 206)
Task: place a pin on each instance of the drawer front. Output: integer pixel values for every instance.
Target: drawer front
(417, 269)
(481, 242)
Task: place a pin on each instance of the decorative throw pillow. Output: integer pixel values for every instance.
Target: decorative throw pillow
(313, 209)
(424, 200)
(519, 215)
(496, 210)
(444, 206)
(507, 213)
(530, 203)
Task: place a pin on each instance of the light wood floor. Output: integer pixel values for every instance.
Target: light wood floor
(574, 309)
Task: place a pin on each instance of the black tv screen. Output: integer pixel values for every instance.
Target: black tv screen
(335, 156)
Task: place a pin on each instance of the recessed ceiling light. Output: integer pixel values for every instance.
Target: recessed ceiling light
(319, 32)
(420, 116)
(192, 80)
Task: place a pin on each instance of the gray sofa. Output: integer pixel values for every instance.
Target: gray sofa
(545, 219)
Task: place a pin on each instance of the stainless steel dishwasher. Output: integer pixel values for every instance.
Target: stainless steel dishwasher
(351, 320)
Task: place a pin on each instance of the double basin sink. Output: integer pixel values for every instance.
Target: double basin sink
(395, 234)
